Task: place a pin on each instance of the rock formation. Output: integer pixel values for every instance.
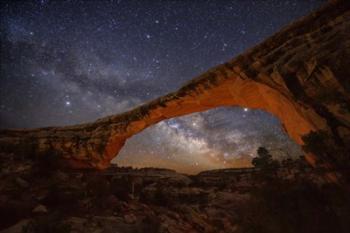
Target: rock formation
(301, 75)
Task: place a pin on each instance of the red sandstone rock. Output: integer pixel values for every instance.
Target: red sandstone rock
(301, 75)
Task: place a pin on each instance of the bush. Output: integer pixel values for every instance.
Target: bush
(46, 164)
(47, 224)
(293, 207)
(264, 160)
(327, 150)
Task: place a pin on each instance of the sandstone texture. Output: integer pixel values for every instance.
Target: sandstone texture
(293, 198)
(301, 75)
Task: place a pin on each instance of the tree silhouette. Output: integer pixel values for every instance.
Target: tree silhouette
(264, 159)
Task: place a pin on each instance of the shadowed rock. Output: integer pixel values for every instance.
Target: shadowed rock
(301, 75)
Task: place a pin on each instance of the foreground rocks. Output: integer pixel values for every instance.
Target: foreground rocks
(161, 201)
(300, 74)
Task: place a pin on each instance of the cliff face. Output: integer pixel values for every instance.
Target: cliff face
(301, 75)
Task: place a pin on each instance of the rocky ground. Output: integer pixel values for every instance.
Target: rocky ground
(38, 196)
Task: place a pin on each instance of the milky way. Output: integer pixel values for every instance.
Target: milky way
(68, 62)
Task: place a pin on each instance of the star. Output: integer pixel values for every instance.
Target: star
(137, 53)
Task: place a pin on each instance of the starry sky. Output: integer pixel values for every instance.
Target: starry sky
(70, 61)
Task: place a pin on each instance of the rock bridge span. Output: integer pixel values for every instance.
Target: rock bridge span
(301, 75)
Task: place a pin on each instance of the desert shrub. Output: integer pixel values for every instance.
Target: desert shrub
(191, 198)
(121, 188)
(52, 223)
(150, 224)
(98, 186)
(45, 165)
(161, 197)
(63, 196)
(325, 147)
(317, 143)
(291, 207)
(13, 211)
(264, 160)
(158, 196)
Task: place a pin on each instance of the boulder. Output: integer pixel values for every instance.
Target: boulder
(22, 183)
(40, 209)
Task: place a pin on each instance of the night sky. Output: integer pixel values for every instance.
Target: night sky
(68, 62)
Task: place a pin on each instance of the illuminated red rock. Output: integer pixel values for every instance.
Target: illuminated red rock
(301, 75)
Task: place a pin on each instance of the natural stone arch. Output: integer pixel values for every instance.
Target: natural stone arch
(97, 143)
(288, 75)
(206, 140)
(236, 92)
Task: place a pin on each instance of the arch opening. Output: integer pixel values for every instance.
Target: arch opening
(224, 137)
(297, 120)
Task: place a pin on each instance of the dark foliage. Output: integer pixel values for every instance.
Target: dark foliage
(264, 160)
(324, 146)
(51, 223)
(282, 206)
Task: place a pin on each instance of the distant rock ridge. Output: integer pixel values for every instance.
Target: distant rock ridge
(301, 75)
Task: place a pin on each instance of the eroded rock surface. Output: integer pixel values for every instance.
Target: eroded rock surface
(301, 75)
(122, 199)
